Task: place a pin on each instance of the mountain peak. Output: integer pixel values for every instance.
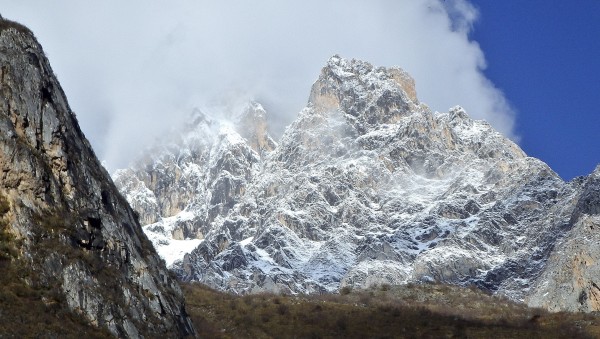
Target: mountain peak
(374, 95)
(345, 68)
(252, 125)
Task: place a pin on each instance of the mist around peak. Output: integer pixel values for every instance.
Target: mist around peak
(135, 70)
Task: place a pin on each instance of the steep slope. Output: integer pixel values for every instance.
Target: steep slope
(64, 223)
(368, 186)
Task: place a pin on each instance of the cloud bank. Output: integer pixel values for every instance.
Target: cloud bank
(133, 69)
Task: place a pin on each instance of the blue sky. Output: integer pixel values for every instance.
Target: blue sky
(545, 57)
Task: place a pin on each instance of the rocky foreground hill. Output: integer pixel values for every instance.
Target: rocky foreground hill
(366, 187)
(69, 242)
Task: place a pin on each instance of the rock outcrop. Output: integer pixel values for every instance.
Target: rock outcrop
(70, 228)
(368, 186)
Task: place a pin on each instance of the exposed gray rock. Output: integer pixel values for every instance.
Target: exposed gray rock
(73, 229)
(571, 279)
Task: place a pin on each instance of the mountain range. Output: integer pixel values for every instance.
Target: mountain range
(367, 186)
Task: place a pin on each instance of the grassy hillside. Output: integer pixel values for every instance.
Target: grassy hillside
(423, 311)
(27, 312)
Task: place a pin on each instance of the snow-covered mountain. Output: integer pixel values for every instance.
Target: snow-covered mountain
(367, 186)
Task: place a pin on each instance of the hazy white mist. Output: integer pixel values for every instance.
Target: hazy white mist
(132, 69)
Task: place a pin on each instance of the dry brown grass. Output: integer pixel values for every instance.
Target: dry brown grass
(6, 24)
(421, 311)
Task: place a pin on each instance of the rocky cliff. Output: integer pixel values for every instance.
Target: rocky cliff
(368, 186)
(571, 279)
(63, 221)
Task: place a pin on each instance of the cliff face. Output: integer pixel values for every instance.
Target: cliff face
(571, 278)
(67, 222)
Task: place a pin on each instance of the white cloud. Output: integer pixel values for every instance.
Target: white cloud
(132, 69)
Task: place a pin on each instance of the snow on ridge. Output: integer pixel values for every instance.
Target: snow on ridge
(160, 234)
